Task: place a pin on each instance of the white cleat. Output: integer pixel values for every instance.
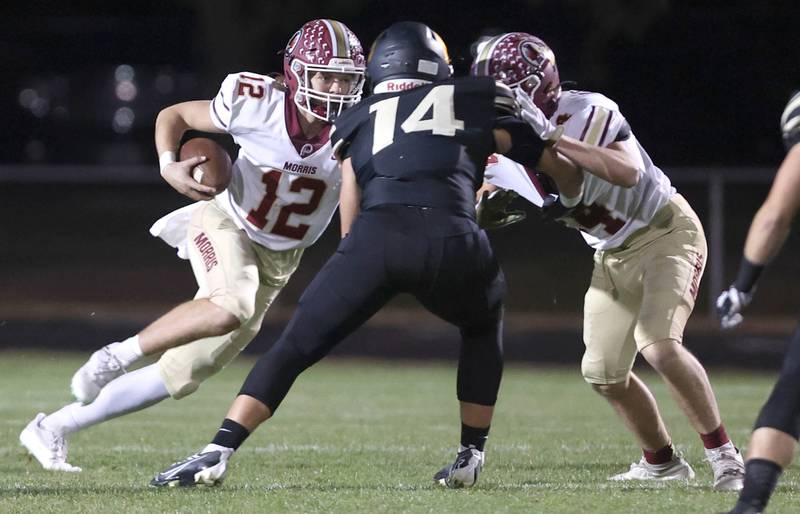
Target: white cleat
(101, 368)
(676, 469)
(49, 448)
(464, 471)
(728, 467)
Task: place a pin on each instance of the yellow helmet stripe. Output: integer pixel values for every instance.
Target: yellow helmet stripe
(341, 47)
(444, 46)
(486, 52)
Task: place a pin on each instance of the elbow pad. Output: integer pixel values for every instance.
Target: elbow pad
(526, 145)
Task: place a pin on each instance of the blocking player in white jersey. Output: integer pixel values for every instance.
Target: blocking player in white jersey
(650, 252)
(243, 244)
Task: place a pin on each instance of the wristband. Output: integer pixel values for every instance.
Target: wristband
(571, 201)
(748, 275)
(165, 159)
(555, 136)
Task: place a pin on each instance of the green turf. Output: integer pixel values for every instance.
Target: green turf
(366, 437)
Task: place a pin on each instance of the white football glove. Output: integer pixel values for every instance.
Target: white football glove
(730, 303)
(536, 118)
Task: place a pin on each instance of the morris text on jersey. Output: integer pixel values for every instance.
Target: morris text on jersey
(296, 167)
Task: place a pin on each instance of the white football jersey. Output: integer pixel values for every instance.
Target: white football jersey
(607, 214)
(280, 198)
(507, 174)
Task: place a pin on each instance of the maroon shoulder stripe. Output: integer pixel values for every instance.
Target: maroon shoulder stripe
(222, 101)
(588, 122)
(214, 110)
(248, 77)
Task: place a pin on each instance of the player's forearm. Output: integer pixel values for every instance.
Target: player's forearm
(767, 234)
(567, 176)
(349, 198)
(348, 211)
(772, 223)
(611, 165)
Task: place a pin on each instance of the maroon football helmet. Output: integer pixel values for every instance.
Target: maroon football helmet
(326, 46)
(518, 59)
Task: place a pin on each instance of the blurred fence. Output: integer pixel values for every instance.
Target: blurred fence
(78, 267)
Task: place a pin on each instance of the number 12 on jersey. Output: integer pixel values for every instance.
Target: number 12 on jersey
(442, 122)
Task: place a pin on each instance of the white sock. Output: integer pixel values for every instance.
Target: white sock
(130, 392)
(727, 446)
(127, 352)
(224, 450)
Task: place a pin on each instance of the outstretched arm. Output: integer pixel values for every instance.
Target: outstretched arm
(612, 163)
(617, 163)
(567, 176)
(771, 224)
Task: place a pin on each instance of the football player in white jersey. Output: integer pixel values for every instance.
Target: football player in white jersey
(650, 252)
(243, 244)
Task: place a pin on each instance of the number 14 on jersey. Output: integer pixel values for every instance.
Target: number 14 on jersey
(442, 122)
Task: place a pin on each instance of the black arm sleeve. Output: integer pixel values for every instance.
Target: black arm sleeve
(505, 103)
(344, 130)
(526, 145)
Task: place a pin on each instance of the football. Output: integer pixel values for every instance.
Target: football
(216, 171)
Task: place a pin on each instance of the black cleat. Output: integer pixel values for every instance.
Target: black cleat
(464, 471)
(199, 469)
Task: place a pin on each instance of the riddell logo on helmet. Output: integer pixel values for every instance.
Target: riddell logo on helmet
(296, 167)
(401, 86)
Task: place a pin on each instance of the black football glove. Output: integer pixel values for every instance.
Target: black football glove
(730, 304)
(492, 209)
(790, 121)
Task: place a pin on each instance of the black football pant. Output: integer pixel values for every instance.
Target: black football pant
(782, 410)
(445, 261)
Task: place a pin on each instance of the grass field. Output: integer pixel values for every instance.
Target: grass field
(366, 436)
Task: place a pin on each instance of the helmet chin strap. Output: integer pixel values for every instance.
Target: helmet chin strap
(395, 85)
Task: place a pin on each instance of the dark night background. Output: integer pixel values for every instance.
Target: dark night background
(702, 84)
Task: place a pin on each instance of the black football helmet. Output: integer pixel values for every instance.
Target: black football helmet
(408, 50)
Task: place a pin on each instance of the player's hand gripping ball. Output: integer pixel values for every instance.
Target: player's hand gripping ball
(215, 171)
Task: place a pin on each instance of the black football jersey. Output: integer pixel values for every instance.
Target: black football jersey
(426, 146)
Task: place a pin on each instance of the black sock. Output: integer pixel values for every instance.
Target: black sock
(760, 478)
(231, 434)
(472, 437)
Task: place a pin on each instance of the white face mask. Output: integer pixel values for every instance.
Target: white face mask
(321, 104)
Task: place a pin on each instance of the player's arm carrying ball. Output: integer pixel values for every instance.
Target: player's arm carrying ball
(771, 224)
(171, 123)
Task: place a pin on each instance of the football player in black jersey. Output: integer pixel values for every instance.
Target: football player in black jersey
(774, 440)
(413, 156)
